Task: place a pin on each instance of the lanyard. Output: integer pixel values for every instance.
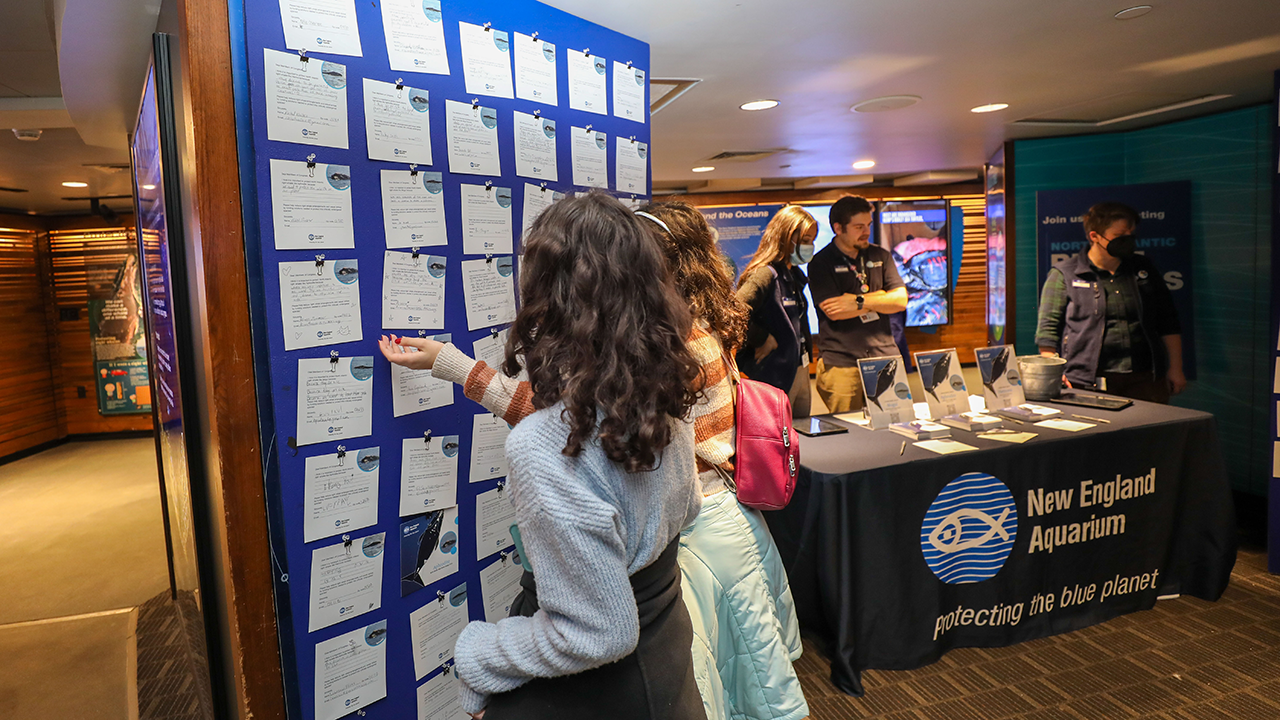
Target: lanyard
(860, 272)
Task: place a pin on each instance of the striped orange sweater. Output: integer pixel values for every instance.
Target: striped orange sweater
(712, 416)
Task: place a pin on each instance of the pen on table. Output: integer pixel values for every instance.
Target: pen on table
(903, 448)
(1089, 417)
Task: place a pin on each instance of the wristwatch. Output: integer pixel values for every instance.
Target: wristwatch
(860, 300)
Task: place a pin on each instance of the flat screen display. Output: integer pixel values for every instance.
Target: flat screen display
(917, 234)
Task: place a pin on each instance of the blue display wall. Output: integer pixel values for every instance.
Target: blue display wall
(258, 26)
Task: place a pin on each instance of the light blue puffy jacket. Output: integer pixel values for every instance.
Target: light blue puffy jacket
(744, 622)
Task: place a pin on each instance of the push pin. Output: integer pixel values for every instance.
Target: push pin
(630, 65)
(475, 103)
(400, 81)
(586, 51)
(426, 438)
(416, 254)
(302, 56)
(413, 169)
(488, 258)
(440, 596)
(502, 485)
(311, 165)
(320, 264)
(422, 333)
(534, 36)
(488, 26)
(537, 114)
(346, 543)
(333, 361)
(342, 454)
(488, 184)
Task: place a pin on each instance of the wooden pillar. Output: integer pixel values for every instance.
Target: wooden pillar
(243, 597)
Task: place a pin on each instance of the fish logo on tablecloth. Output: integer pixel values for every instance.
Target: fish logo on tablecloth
(969, 531)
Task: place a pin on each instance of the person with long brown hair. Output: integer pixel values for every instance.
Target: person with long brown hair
(603, 479)
(746, 635)
(728, 559)
(778, 343)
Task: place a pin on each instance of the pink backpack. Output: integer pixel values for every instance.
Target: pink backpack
(767, 453)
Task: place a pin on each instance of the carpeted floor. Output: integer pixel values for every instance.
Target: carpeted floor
(173, 674)
(1187, 659)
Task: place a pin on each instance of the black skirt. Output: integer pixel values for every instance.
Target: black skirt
(654, 682)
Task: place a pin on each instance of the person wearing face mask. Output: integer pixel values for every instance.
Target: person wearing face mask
(777, 346)
(856, 287)
(1109, 313)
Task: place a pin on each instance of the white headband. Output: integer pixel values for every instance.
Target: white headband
(660, 223)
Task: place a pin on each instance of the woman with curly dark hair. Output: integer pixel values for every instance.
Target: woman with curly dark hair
(728, 559)
(603, 478)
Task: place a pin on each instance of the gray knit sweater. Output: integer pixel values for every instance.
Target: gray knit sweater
(587, 526)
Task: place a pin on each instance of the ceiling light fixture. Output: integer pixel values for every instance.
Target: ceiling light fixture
(75, 184)
(1136, 11)
(885, 104)
(759, 105)
(864, 164)
(990, 108)
(148, 187)
(704, 168)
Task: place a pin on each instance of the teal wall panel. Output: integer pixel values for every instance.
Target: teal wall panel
(1226, 157)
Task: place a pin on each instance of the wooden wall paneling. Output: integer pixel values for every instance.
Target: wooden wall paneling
(79, 259)
(28, 408)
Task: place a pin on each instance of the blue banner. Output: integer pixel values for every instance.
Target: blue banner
(1164, 235)
(739, 228)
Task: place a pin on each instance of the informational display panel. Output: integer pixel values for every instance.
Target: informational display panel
(997, 250)
(917, 235)
(400, 150)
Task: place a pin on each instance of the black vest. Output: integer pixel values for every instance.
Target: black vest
(1086, 314)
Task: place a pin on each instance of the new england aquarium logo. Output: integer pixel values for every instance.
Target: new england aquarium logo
(969, 530)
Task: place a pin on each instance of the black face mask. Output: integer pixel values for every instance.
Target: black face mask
(1123, 246)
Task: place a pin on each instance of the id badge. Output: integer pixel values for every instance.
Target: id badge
(804, 359)
(870, 317)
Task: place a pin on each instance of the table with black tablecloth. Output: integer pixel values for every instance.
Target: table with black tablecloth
(895, 559)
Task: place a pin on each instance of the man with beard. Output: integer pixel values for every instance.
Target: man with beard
(856, 286)
(1109, 313)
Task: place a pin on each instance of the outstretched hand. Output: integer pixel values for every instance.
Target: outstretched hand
(413, 353)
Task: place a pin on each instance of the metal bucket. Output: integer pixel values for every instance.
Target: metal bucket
(1041, 376)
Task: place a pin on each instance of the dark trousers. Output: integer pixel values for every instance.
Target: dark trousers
(655, 682)
(1138, 385)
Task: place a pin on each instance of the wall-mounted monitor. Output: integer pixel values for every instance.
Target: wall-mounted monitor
(917, 232)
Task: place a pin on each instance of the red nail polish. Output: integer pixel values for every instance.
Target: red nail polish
(397, 341)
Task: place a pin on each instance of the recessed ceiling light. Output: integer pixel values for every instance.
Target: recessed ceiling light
(990, 108)
(759, 105)
(1136, 11)
(75, 184)
(864, 164)
(148, 187)
(886, 103)
(704, 168)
